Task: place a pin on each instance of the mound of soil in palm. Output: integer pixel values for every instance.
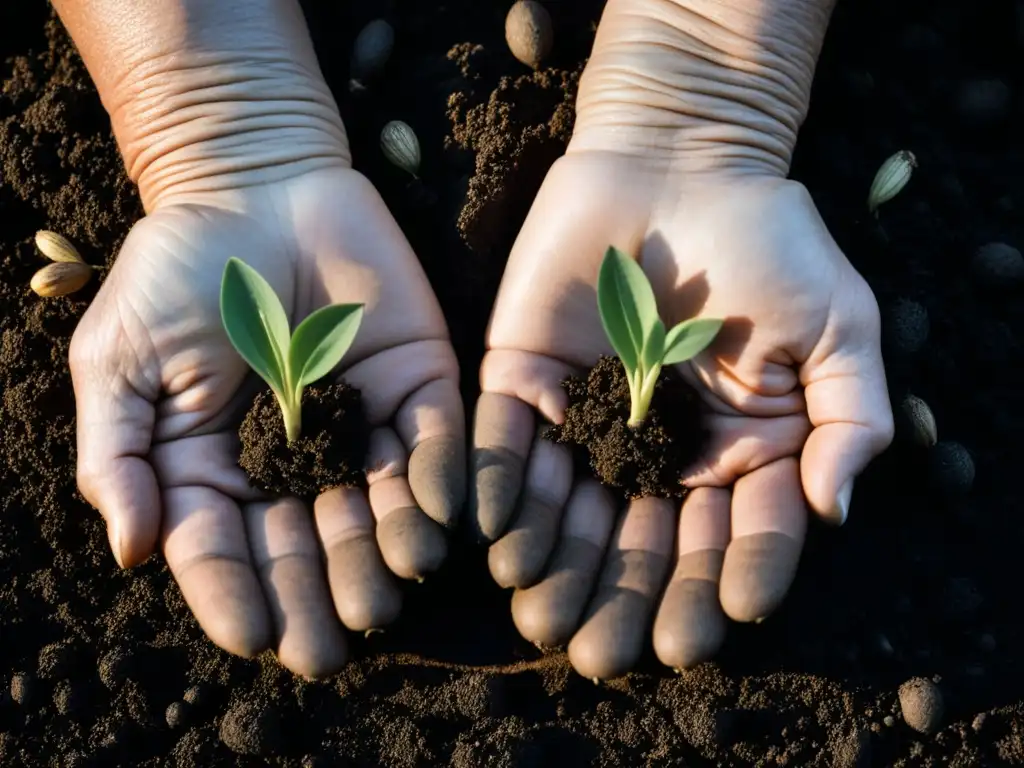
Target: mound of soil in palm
(648, 460)
(330, 451)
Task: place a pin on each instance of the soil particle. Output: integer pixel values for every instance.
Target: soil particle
(952, 467)
(998, 265)
(23, 686)
(330, 452)
(114, 667)
(906, 326)
(646, 461)
(854, 750)
(922, 705)
(55, 661)
(176, 714)
(251, 728)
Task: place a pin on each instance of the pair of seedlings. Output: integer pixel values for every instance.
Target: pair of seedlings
(257, 327)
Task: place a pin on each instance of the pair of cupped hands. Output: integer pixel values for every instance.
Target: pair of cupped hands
(794, 384)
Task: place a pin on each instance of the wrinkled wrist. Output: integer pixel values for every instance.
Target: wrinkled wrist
(702, 85)
(188, 124)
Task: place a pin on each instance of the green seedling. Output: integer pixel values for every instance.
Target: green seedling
(258, 329)
(629, 314)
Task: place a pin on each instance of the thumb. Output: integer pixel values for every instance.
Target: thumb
(848, 406)
(114, 431)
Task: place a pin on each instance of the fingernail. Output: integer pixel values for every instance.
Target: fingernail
(114, 534)
(843, 501)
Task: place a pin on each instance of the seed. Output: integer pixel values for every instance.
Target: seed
(61, 279)
(998, 264)
(57, 247)
(920, 420)
(370, 53)
(528, 32)
(399, 143)
(891, 178)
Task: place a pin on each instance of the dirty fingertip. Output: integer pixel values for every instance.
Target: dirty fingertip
(497, 478)
(758, 572)
(437, 476)
(690, 627)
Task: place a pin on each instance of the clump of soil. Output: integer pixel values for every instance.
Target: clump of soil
(329, 453)
(648, 460)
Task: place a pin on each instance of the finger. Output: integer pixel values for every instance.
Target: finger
(740, 444)
(518, 558)
(848, 404)
(769, 521)
(502, 433)
(417, 384)
(365, 594)
(612, 636)
(514, 384)
(549, 612)
(411, 544)
(204, 542)
(774, 394)
(310, 640)
(114, 425)
(690, 625)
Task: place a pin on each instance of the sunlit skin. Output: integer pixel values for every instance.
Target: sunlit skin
(686, 121)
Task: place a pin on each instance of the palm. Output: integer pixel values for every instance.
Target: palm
(799, 323)
(163, 465)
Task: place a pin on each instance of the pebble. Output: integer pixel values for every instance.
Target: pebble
(176, 714)
(907, 326)
(114, 667)
(197, 695)
(22, 687)
(998, 264)
(921, 704)
(919, 421)
(249, 728)
(889, 721)
(528, 32)
(979, 722)
(952, 467)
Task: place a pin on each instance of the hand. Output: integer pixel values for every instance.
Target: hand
(794, 382)
(159, 390)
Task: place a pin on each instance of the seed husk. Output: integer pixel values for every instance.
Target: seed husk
(57, 248)
(528, 32)
(891, 178)
(61, 278)
(920, 421)
(370, 53)
(399, 144)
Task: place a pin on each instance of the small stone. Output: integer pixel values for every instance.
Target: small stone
(952, 467)
(176, 714)
(251, 729)
(998, 264)
(889, 721)
(921, 704)
(115, 667)
(197, 695)
(22, 687)
(67, 698)
(919, 421)
(907, 326)
(528, 32)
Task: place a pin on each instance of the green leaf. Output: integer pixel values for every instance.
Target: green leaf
(255, 321)
(654, 346)
(689, 339)
(627, 305)
(320, 341)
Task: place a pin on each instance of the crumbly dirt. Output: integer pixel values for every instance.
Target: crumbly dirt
(103, 668)
(330, 451)
(648, 460)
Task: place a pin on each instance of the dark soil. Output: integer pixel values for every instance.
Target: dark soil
(329, 452)
(648, 460)
(106, 668)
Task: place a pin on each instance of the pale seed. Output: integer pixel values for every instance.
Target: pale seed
(56, 247)
(399, 144)
(61, 278)
(370, 53)
(891, 178)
